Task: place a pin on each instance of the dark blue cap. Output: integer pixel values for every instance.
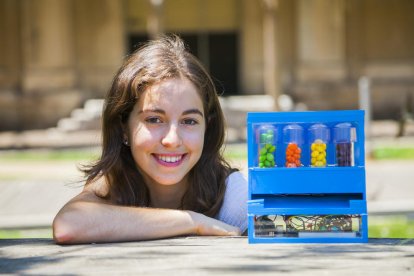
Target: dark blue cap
(344, 132)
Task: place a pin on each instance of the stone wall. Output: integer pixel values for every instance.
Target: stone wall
(54, 55)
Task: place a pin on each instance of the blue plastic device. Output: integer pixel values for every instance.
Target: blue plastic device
(320, 198)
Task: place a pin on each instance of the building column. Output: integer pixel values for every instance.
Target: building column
(10, 64)
(270, 50)
(48, 82)
(251, 58)
(155, 26)
(100, 43)
(321, 40)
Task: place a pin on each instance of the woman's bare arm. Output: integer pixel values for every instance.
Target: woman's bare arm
(87, 219)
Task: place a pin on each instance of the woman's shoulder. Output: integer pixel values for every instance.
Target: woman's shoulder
(236, 177)
(236, 186)
(234, 208)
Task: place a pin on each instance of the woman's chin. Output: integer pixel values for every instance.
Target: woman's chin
(169, 181)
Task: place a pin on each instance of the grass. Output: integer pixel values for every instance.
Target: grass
(236, 152)
(38, 233)
(393, 153)
(50, 155)
(390, 227)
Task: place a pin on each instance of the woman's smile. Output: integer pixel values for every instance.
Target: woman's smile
(169, 160)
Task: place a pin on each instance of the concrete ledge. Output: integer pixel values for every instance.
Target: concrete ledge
(26, 221)
(206, 255)
(49, 138)
(394, 207)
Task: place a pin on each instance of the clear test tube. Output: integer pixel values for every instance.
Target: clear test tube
(293, 137)
(344, 137)
(318, 139)
(267, 140)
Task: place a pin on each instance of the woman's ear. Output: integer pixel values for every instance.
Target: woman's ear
(208, 119)
(125, 135)
(125, 141)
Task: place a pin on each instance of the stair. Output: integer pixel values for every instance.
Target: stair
(86, 118)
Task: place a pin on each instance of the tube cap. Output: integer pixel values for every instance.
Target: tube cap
(319, 131)
(267, 134)
(293, 134)
(344, 132)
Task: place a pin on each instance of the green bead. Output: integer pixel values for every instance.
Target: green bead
(270, 157)
(263, 151)
(263, 138)
(272, 149)
(269, 138)
(261, 165)
(267, 163)
(262, 158)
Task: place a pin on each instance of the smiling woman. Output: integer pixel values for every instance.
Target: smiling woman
(161, 172)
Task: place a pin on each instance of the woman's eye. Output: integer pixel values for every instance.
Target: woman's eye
(153, 120)
(190, 122)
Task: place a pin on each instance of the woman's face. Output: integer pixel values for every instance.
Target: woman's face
(166, 131)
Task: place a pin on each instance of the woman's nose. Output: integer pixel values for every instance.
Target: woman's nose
(172, 137)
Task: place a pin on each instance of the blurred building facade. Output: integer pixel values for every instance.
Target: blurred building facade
(55, 54)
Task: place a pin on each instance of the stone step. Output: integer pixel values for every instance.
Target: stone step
(86, 118)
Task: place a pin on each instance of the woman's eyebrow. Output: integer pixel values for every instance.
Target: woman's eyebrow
(193, 111)
(161, 111)
(155, 110)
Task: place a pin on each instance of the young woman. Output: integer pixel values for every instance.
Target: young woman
(161, 173)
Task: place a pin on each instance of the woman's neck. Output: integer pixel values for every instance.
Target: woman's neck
(167, 196)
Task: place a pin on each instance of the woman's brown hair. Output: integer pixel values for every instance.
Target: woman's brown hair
(158, 60)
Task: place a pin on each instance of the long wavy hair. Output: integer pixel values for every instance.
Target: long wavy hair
(153, 62)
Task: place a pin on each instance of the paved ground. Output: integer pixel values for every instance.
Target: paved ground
(32, 192)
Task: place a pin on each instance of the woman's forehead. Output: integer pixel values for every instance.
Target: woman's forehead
(176, 93)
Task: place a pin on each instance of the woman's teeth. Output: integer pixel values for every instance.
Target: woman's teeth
(170, 159)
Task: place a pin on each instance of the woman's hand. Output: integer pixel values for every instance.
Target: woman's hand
(206, 226)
